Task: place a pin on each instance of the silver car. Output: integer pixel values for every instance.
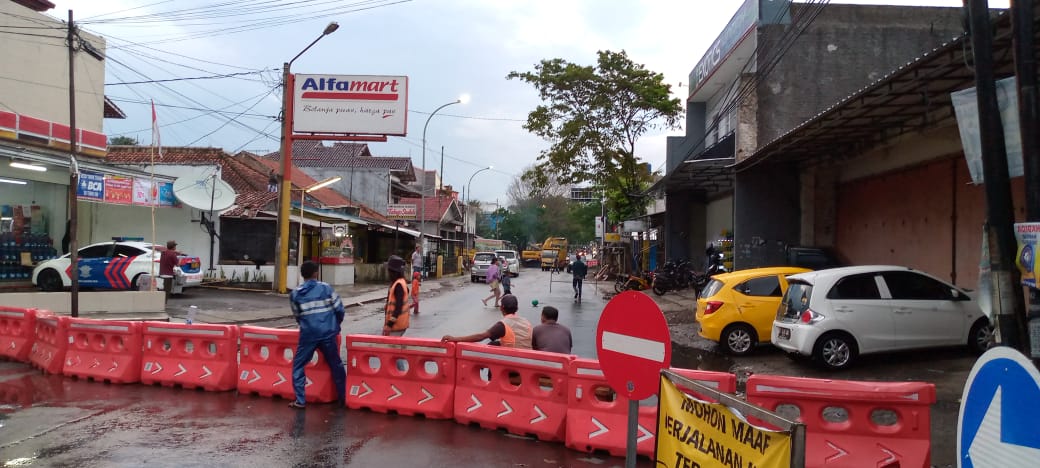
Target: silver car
(837, 314)
(481, 262)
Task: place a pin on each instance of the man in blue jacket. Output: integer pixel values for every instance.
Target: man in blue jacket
(319, 312)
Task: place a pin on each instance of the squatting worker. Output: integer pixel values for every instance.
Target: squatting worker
(319, 312)
(551, 336)
(395, 321)
(510, 332)
(167, 264)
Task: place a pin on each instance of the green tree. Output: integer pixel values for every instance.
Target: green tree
(122, 140)
(593, 116)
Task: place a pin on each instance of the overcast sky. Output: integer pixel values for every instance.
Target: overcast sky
(445, 47)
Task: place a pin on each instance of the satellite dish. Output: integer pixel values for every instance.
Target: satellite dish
(206, 194)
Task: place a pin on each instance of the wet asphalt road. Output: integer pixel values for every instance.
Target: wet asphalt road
(59, 421)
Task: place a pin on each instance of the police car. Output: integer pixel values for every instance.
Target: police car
(118, 264)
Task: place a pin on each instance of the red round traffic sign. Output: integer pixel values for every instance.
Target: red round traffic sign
(633, 344)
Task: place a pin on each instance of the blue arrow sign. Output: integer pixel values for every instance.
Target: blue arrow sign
(1000, 412)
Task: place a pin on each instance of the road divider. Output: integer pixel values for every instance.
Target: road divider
(51, 341)
(409, 376)
(17, 328)
(519, 390)
(190, 356)
(103, 350)
(850, 423)
(265, 366)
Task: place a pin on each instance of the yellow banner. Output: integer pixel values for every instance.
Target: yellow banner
(695, 434)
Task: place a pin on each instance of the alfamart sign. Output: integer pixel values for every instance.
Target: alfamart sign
(358, 104)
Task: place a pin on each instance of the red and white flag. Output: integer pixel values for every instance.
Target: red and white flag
(156, 141)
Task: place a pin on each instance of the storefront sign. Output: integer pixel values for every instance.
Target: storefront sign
(119, 190)
(1028, 236)
(401, 211)
(691, 433)
(91, 186)
(744, 20)
(364, 104)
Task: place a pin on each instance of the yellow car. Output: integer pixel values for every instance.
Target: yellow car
(737, 309)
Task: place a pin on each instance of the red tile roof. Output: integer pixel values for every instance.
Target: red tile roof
(435, 207)
(244, 172)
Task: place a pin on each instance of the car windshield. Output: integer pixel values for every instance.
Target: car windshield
(713, 287)
(483, 257)
(795, 301)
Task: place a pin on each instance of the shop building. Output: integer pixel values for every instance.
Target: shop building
(774, 66)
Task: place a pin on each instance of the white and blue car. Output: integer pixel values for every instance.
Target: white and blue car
(118, 264)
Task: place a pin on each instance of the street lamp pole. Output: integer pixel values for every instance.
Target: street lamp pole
(422, 190)
(466, 200)
(284, 200)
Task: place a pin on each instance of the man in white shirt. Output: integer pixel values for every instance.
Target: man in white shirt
(417, 260)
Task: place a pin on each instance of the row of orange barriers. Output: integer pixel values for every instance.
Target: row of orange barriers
(549, 396)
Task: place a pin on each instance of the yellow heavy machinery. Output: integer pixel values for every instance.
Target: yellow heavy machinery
(532, 255)
(554, 253)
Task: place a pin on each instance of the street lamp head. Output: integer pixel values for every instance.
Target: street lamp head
(463, 99)
(331, 28)
(322, 184)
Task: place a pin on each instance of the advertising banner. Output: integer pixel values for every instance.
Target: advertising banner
(119, 190)
(691, 432)
(1028, 236)
(91, 186)
(147, 194)
(360, 104)
(966, 107)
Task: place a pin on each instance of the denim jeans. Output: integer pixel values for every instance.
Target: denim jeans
(330, 351)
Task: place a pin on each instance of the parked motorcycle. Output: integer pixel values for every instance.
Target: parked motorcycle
(633, 282)
(674, 276)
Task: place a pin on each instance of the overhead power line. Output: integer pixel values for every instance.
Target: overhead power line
(210, 77)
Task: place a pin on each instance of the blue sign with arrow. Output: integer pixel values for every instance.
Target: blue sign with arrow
(1000, 412)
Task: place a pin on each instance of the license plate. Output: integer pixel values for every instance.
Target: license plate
(784, 333)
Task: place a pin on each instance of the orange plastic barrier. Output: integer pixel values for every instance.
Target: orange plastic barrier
(409, 376)
(191, 356)
(51, 342)
(853, 423)
(104, 350)
(265, 366)
(519, 390)
(597, 417)
(17, 329)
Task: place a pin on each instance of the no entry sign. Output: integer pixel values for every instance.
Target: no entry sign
(633, 344)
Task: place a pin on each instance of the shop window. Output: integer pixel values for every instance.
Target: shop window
(247, 241)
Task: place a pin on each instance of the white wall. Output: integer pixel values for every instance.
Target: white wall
(719, 217)
(35, 73)
(99, 222)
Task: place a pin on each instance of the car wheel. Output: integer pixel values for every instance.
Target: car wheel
(835, 351)
(659, 290)
(739, 339)
(135, 284)
(50, 281)
(980, 338)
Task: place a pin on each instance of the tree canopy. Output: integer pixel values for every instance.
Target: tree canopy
(593, 116)
(122, 140)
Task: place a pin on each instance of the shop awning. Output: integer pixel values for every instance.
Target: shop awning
(712, 176)
(328, 215)
(61, 160)
(407, 231)
(294, 219)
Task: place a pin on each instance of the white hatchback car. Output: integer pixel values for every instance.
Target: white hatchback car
(512, 261)
(837, 314)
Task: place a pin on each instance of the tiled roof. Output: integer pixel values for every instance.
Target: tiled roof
(171, 155)
(248, 203)
(326, 196)
(435, 207)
